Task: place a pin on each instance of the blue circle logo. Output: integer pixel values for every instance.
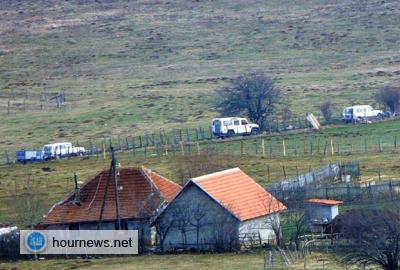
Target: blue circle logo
(35, 241)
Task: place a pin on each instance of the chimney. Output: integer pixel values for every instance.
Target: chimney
(77, 200)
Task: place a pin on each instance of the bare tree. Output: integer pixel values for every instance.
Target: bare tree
(375, 235)
(30, 203)
(297, 218)
(190, 166)
(287, 115)
(163, 227)
(390, 97)
(225, 233)
(272, 220)
(254, 94)
(326, 110)
(182, 216)
(198, 219)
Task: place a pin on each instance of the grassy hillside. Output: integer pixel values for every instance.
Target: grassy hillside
(128, 67)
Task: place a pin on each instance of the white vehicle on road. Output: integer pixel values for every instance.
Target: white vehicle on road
(359, 113)
(56, 150)
(231, 126)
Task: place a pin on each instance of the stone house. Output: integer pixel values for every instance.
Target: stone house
(218, 211)
(141, 192)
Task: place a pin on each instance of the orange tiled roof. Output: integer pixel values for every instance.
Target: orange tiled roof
(239, 193)
(167, 188)
(324, 201)
(136, 198)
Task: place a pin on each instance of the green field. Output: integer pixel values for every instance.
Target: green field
(131, 67)
(252, 260)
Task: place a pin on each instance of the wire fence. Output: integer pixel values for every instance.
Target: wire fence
(261, 146)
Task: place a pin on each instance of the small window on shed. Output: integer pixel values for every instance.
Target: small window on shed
(236, 122)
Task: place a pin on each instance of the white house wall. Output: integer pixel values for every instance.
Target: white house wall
(259, 228)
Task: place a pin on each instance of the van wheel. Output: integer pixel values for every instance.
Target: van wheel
(380, 116)
(231, 133)
(255, 131)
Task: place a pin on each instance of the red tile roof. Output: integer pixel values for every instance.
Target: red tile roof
(239, 193)
(136, 198)
(167, 188)
(324, 201)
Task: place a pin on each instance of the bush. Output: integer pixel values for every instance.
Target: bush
(326, 109)
(390, 97)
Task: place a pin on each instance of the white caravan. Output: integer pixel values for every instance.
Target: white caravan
(359, 113)
(231, 126)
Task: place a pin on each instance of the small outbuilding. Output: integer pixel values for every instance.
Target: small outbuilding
(218, 211)
(321, 212)
(94, 206)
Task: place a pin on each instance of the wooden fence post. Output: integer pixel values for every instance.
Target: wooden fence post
(332, 149)
(182, 149)
(263, 147)
(104, 151)
(241, 147)
(198, 148)
(7, 158)
(127, 143)
(284, 147)
(140, 141)
(187, 135)
(119, 143)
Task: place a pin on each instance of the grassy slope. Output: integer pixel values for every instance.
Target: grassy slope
(199, 262)
(132, 66)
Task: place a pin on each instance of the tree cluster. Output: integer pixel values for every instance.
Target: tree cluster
(253, 94)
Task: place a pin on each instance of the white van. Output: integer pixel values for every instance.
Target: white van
(231, 126)
(359, 113)
(55, 150)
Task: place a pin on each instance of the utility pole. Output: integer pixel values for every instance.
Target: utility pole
(115, 170)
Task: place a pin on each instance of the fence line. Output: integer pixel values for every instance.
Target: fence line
(191, 141)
